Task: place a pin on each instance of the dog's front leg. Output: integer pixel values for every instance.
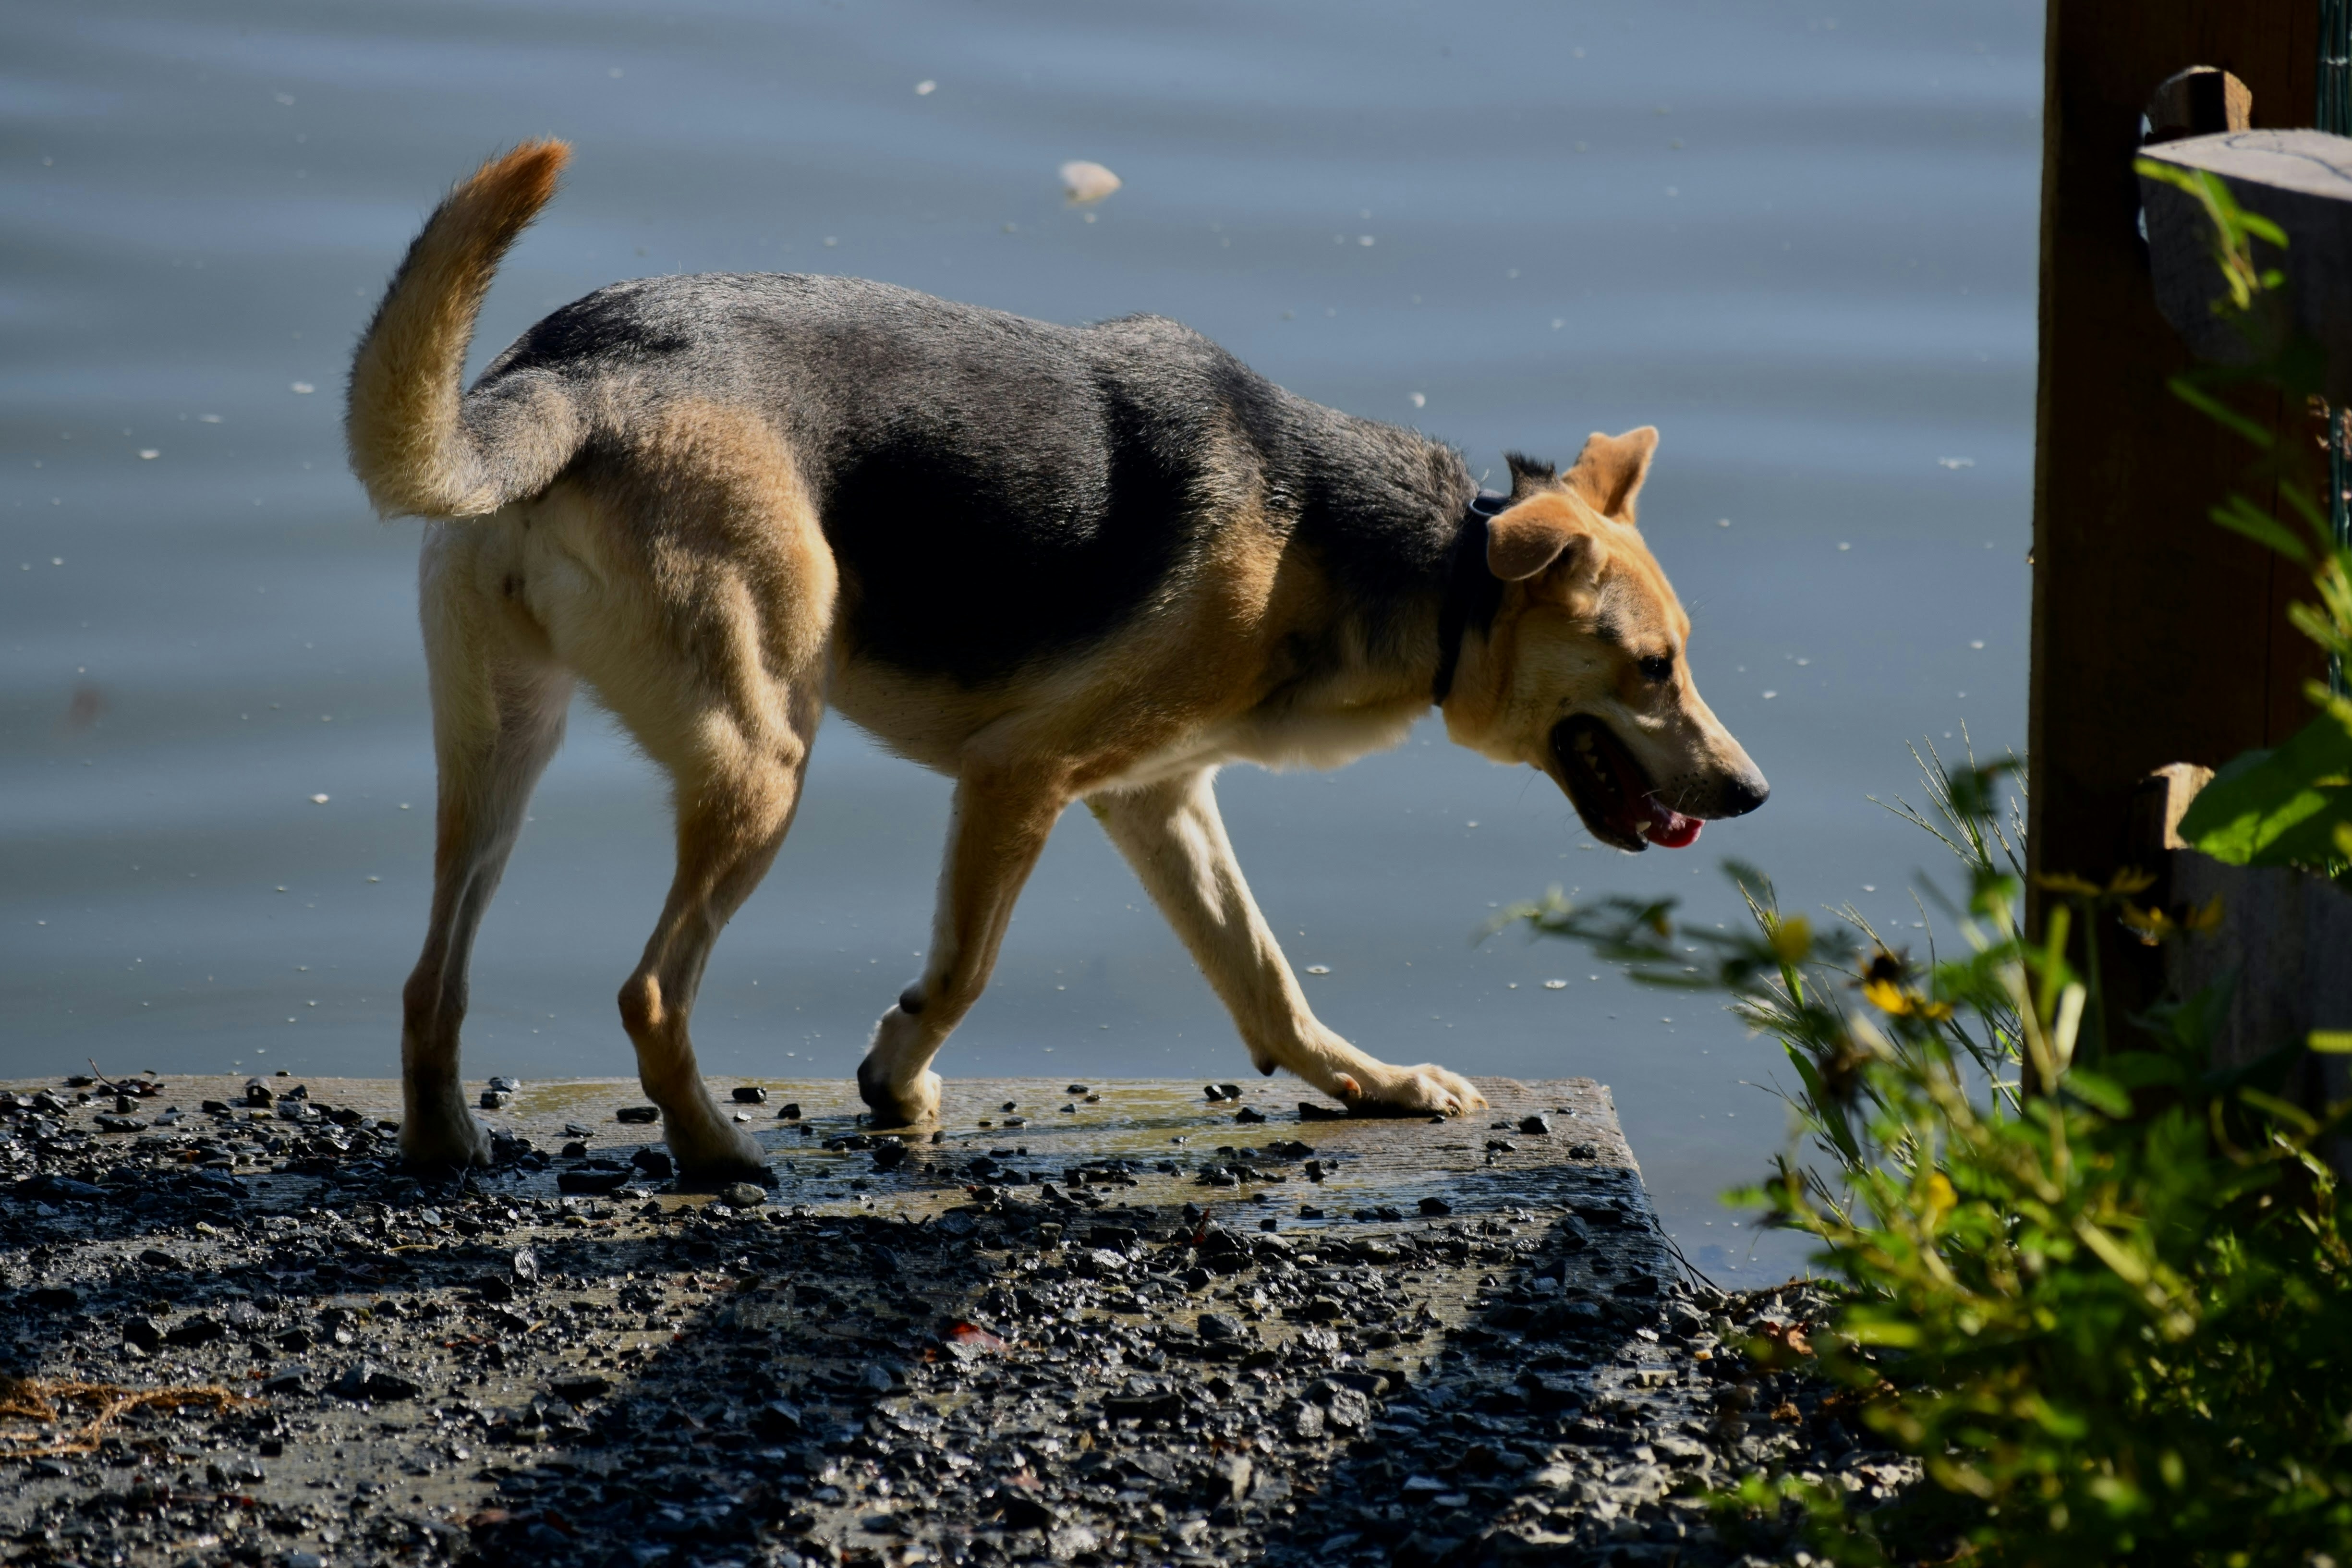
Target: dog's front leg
(1171, 833)
(1000, 826)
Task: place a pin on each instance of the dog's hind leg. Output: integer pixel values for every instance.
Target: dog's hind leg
(1171, 834)
(497, 716)
(694, 591)
(736, 798)
(1000, 823)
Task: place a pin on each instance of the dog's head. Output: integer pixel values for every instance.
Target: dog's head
(1585, 670)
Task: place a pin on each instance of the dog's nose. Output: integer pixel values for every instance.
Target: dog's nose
(1741, 797)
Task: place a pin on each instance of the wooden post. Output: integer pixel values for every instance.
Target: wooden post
(2284, 947)
(2157, 637)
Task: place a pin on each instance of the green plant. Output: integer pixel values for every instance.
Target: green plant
(2105, 1315)
(2099, 1293)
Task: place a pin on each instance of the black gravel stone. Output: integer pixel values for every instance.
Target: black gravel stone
(1020, 1510)
(50, 1188)
(365, 1380)
(198, 1330)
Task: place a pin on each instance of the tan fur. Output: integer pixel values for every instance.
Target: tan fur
(696, 600)
(1546, 656)
(402, 421)
(1609, 472)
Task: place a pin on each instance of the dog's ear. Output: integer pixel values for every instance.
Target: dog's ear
(1609, 471)
(1548, 529)
(1530, 475)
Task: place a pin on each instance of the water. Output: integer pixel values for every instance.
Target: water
(1802, 246)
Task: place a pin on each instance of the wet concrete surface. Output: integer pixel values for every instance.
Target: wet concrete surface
(1126, 1322)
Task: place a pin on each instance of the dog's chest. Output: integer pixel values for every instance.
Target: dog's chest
(1294, 736)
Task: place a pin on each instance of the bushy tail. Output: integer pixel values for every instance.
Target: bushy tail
(408, 445)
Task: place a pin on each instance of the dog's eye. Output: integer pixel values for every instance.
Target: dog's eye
(1659, 667)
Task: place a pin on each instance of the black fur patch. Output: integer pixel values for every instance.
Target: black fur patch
(611, 326)
(1000, 491)
(1529, 474)
(971, 555)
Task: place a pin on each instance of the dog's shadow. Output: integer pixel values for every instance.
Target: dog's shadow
(862, 1410)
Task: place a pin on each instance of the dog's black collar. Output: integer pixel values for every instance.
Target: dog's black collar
(1473, 593)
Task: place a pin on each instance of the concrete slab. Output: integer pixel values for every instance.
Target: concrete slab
(1118, 1321)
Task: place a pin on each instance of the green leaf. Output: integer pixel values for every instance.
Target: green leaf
(2285, 1110)
(2141, 1069)
(2187, 1027)
(2281, 807)
(2239, 515)
(2099, 1092)
(1896, 1335)
(2213, 408)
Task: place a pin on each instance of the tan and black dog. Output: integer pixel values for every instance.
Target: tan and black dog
(1056, 563)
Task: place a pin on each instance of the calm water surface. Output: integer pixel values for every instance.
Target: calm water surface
(1798, 237)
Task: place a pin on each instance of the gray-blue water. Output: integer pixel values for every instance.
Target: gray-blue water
(1800, 238)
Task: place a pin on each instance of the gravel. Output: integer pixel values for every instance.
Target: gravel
(341, 1361)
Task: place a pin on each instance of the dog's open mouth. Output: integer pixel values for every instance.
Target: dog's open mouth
(1611, 792)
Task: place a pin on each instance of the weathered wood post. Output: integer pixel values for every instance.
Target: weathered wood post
(2285, 935)
(2157, 638)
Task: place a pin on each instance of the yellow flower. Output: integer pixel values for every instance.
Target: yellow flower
(1885, 996)
(2063, 882)
(1792, 939)
(2153, 924)
(1883, 988)
(1941, 1199)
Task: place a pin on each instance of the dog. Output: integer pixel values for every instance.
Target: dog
(1056, 563)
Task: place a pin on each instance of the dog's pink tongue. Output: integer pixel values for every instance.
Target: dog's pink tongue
(1668, 829)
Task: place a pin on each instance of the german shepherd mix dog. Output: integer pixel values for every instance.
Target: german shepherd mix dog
(1056, 563)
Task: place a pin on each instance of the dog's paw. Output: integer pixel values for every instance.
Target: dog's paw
(1425, 1090)
(444, 1143)
(913, 1105)
(715, 1152)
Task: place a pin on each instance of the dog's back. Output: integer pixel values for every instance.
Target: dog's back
(997, 491)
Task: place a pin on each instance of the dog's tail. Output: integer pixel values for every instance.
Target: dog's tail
(412, 443)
